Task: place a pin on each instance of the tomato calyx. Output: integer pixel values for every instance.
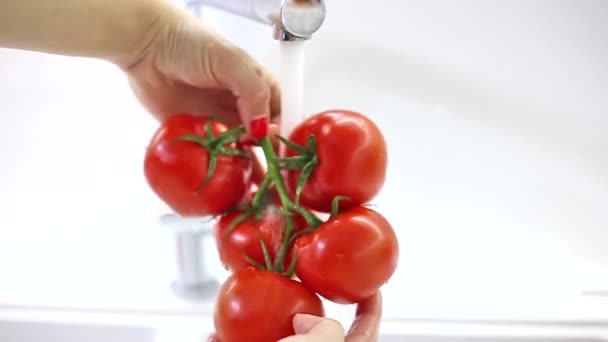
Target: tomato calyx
(268, 262)
(255, 208)
(215, 145)
(260, 208)
(307, 160)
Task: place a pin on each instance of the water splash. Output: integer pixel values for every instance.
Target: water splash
(291, 78)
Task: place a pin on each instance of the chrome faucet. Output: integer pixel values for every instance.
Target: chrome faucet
(292, 20)
(195, 276)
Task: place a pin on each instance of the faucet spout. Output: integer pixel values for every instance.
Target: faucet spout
(292, 19)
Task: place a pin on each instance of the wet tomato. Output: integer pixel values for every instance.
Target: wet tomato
(349, 257)
(235, 241)
(254, 305)
(177, 170)
(352, 159)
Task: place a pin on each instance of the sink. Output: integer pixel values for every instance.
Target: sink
(42, 325)
(65, 332)
(78, 332)
(89, 327)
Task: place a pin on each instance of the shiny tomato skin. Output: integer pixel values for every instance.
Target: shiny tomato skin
(245, 238)
(176, 169)
(254, 305)
(352, 160)
(349, 257)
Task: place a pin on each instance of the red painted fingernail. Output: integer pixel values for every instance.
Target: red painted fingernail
(247, 141)
(259, 127)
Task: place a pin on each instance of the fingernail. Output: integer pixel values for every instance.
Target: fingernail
(247, 141)
(259, 127)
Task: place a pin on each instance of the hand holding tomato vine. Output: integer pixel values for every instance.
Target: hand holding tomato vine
(309, 328)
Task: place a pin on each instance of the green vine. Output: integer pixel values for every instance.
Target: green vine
(306, 161)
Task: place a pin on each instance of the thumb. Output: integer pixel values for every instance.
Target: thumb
(310, 328)
(252, 87)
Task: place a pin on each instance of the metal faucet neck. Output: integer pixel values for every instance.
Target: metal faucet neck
(292, 20)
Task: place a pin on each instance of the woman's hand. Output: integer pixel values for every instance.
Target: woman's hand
(173, 61)
(365, 328)
(187, 67)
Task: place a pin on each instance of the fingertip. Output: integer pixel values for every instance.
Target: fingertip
(274, 131)
(371, 305)
(367, 321)
(303, 323)
(246, 79)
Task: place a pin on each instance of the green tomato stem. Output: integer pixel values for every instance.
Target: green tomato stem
(273, 173)
(280, 260)
(255, 202)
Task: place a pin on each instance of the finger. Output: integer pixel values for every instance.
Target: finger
(366, 326)
(213, 338)
(313, 328)
(274, 130)
(237, 71)
(183, 98)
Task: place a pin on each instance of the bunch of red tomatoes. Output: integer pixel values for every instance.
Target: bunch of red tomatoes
(302, 231)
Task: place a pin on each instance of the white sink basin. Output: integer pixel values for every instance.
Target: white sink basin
(78, 332)
(86, 327)
(65, 332)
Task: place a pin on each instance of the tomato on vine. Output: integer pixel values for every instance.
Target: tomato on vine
(241, 237)
(195, 165)
(349, 257)
(335, 162)
(335, 153)
(258, 305)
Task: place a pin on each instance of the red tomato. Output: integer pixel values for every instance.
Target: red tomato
(243, 240)
(245, 237)
(176, 170)
(352, 159)
(349, 257)
(259, 306)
